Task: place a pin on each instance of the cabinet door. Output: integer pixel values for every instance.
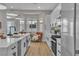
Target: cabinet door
(23, 46)
(27, 42)
(12, 50)
(3, 51)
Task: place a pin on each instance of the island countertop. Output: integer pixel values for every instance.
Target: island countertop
(9, 41)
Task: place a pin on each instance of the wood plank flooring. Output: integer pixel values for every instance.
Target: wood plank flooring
(39, 49)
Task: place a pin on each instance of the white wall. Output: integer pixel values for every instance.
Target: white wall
(67, 43)
(77, 27)
(3, 22)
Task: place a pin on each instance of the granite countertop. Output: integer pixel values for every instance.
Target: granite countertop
(9, 40)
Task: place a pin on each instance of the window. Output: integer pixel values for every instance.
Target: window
(9, 24)
(33, 24)
(41, 25)
(21, 25)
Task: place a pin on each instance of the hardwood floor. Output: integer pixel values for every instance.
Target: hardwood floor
(39, 49)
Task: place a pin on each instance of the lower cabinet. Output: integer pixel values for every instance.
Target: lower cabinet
(23, 46)
(12, 50)
(19, 48)
(9, 51)
(16, 49)
(3, 52)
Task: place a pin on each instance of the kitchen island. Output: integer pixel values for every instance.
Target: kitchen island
(14, 46)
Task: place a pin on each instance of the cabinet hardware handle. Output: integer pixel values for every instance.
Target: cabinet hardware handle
(14, 47)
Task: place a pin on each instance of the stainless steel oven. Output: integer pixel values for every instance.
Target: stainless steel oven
(54, 45)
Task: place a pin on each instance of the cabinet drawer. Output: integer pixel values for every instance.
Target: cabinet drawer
(13, 47)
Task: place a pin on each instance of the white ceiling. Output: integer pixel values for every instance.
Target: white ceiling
(31, 6)
(26, 9)
(68, 6)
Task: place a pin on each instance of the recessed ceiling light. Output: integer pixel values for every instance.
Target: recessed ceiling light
(39, 7)
(21, 21)
(11, 6)
(72, 8)
(3, 6)
(32, 13)
(8, 17)
(12, 14)
(18, 18)
(41, 21)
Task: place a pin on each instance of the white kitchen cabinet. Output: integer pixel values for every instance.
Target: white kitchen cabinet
(27, 41)
(3, 51)
(12, 50)
(23, 46)
(14, 46)
(9, 51)
(19, 47)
